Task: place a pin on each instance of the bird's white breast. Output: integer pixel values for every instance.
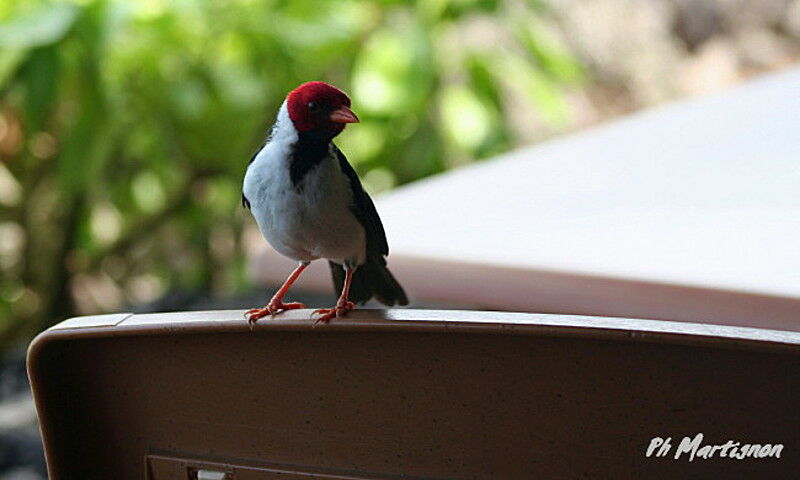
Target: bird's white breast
(311, 220)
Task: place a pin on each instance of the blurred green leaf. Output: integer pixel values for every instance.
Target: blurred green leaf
(543, 92)
(466, 118)
(40, 75)
(10, 60)
(552, 58)
(484, 81)
(45, 25)
(380, 71)
(457, 9)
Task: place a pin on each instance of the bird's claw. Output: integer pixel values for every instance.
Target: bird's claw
(328, 313)
(272, 308)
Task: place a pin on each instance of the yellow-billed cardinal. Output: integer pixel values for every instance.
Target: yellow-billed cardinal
(309, 203)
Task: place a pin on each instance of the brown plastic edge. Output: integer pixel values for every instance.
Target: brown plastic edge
(408, 320)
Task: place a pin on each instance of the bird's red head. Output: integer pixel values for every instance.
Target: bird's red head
(319, 107)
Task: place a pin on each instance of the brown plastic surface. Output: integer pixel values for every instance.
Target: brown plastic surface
(408, 394)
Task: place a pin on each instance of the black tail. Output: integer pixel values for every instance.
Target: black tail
(372, 279)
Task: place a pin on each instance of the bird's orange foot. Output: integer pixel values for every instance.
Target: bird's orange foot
(273, 308)
(339, 310)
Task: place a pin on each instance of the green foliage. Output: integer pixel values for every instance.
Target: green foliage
(125, 127)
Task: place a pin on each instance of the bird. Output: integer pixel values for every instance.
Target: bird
(309, 204)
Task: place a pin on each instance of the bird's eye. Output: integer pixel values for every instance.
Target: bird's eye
(312, 106)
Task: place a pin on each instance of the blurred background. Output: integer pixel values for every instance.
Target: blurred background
(126, 126)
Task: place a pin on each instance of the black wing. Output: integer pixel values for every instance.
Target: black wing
(364, 210)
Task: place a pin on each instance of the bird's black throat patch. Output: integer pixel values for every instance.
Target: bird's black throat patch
(309, 151)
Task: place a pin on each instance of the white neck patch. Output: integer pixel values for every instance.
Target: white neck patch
(284, 132)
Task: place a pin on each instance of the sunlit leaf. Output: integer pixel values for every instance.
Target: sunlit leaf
(466, 119)
(554, 59)
(45, 25)
(10, 60)
(543, 92)
(148, 192)
(432, 10)
(483, 80)
(379, 73)
(363, 142)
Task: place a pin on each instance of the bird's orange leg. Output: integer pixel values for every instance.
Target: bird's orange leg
(343, 305)
(276, 305)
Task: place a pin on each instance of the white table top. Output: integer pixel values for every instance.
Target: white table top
(701, 193)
